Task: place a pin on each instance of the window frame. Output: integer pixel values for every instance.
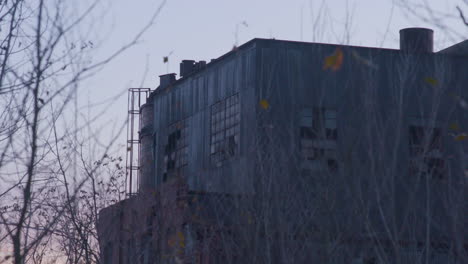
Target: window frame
(425, 151)
(224, 133)
(319, 125)
(177, 147)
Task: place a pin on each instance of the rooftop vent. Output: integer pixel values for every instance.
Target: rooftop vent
(189, 66)
(186, 67)
(200, 65)
(417, 40)
(166, 79)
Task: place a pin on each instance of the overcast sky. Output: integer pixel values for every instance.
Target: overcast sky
(206, 29)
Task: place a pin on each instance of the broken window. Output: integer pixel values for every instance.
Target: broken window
(318, 132)
(225, 128)
(425, 151)
(176, 150)
(329, 117)
(424, 139)
(318, 123)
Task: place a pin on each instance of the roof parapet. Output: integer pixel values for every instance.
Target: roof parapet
(166, 79)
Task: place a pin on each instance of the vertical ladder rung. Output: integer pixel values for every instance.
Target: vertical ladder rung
(136, 98)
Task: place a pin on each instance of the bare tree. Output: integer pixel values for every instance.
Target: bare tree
(45, 55)
(383, 183)
(393, 190)
(442, 20)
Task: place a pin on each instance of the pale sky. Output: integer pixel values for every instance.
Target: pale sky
(206, 29)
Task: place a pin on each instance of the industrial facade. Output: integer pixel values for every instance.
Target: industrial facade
(293, 152)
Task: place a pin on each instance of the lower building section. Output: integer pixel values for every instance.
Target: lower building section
(171, 225)
(175, 225)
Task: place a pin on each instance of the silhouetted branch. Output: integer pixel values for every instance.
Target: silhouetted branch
(460, 12)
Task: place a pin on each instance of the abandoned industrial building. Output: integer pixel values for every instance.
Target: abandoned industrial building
(294, 152)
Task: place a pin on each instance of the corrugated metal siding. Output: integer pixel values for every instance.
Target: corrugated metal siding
(192, 99)
(291, 77)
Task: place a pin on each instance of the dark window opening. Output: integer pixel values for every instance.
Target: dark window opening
(432, 167)
(332, 165)
(318, 123)
(435, 167)
(176, 149)
(425, 146)
(308, 132)
(231, 146)
(318, 126)
(225, 129)
(331, 134)
(416, 135)
(422, 139)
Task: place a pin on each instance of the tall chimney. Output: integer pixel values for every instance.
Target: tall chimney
(417, 40)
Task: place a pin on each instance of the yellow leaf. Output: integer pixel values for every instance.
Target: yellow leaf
(181, 237)
(431, 81)
(334, 61)
(264, 103)
(461, 137)
(454, 126)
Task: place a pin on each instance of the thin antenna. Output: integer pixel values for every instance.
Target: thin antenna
(166, 61)
(302, 22)
(236, 32)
